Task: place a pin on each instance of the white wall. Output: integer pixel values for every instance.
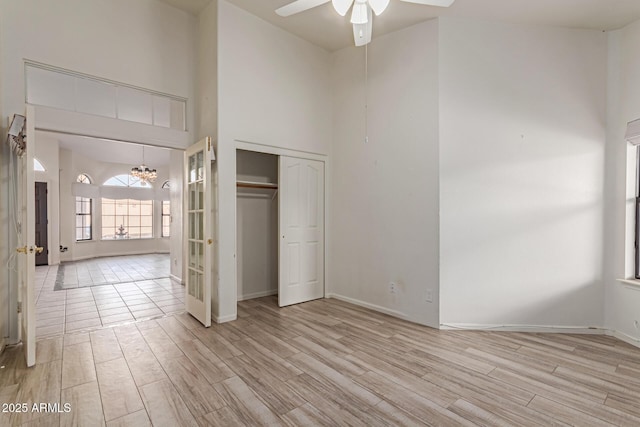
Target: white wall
(522, 131)
(47, 152)
(384, 220)
(622, 307)
(206, 102)
(257, 226)
(72, 165)
(156, 51)
(273, 89)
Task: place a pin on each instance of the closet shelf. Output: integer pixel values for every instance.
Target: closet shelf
(249, 184)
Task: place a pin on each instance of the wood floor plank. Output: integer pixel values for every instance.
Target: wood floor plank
(41, 384)
(245, 404)
(162, 346)
(210, 365)
(77, 365)
(274, 392)
(418, 385)
(574, 401)
(327, 357)
(266, 359)
(223, 417)
(199, 396)
(165, 406)
(175, 329)
(308, 415)
(118, 390)
(324, 373)
(86, 406)
(566, 414)
(336, 403)
(477, 415)
(105, 345)
(136, 419)
(219, 345)
(49, 350)
(418, 406)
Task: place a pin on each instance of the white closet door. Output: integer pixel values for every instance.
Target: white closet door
(198, 235)
(301, 230)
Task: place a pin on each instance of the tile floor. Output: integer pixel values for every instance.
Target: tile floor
(91, 307)
(112, 270)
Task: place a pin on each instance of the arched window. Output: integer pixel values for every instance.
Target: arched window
(37, 165)
(166, 213)
(125, 180)
(83, 178)
(83, 212)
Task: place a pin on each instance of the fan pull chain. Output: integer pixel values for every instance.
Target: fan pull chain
(366, 93)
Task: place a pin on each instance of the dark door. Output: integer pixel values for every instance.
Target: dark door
(41, 223)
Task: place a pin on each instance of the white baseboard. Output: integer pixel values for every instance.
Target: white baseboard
(522, 328)
(176, 279)
(224, 319)
(624, 337)
(257, 294)
(370, 306)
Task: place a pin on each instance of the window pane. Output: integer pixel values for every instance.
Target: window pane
(146, 209)
(122, 208)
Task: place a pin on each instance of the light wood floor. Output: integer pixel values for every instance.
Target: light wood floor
(323, 363)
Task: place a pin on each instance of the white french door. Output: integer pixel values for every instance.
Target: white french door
(198, 233)
(301, 230)
(26, 242)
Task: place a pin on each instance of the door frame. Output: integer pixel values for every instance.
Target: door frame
(279, 151)
(72, 123)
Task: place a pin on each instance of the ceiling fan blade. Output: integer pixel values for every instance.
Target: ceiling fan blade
(378, 6)
(342, 6)
(362, 32)
(299, 6)
(440, 3)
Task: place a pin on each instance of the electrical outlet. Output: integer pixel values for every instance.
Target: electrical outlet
(392, 288)
(429, 296)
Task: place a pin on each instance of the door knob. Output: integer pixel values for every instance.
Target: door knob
(22, 250)
(39, 249)
(210, 241)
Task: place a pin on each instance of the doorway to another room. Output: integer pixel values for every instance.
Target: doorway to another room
(120, 236)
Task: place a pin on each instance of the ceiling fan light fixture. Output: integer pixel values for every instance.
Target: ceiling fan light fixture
(378, 6)
(359, 14)
(342, 6)
(362, 32)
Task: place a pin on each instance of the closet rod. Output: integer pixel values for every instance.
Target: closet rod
(248, 184)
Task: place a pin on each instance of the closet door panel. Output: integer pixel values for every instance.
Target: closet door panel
(301, 230)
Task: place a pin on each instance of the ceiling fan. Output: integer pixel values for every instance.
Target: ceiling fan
(361, 14)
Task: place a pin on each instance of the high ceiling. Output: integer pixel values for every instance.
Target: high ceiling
(324, 27)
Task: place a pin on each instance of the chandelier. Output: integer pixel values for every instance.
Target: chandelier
(143, 172)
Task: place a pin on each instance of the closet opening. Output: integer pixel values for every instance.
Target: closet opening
(257, 224)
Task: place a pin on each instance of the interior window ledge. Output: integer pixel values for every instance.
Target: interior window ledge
(633, 282)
